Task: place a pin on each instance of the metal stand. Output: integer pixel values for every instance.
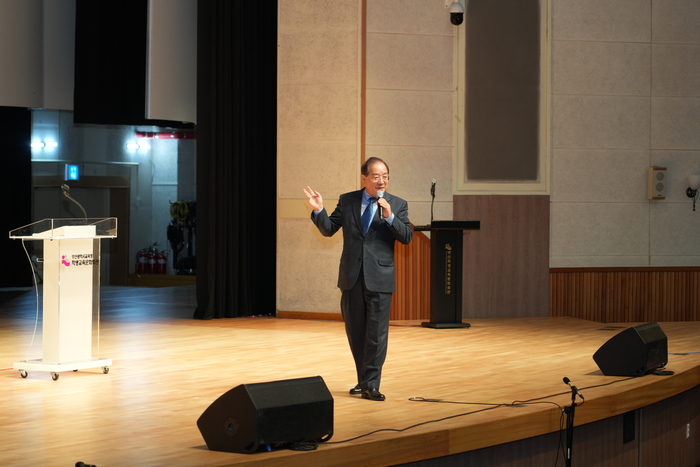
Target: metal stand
(570, 412)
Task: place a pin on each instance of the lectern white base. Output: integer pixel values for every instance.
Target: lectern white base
(25, 365)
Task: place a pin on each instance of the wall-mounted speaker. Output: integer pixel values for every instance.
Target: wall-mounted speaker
(634, 351)
(656, 185)
(250, 417)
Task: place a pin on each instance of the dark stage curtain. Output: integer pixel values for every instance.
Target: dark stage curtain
(16, 157)
(236, 158)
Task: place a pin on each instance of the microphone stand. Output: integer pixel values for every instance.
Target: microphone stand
(570, 412)
(65, 189)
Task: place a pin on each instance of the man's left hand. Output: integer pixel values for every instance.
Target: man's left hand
(385, 207)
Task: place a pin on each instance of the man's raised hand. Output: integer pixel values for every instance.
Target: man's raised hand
(314, 198)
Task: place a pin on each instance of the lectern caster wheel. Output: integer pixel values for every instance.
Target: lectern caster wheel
(105, 369)
(54, 376)
(23, 373)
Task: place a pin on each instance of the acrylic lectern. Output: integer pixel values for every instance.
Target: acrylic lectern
(446, 253)
(71, 292)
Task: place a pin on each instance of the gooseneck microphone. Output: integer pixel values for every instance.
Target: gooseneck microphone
(573, 388)
(380, 194)
(66, 189)
(432, 194)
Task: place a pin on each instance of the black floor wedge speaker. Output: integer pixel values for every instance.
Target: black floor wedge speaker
(250, 417)
(634, 351)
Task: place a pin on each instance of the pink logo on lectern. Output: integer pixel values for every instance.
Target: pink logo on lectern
(81, 259)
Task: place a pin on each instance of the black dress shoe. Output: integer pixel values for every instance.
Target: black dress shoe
(373, 394)
(356, 390)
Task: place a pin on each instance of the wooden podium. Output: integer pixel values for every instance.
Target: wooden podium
(71, 295)
(446, 253)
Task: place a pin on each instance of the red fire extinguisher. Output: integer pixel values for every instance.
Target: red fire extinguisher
(161, 263)
(142, 262)
(152, 261)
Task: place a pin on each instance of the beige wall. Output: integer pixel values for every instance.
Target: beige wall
(625, 95)
(410, 100)
(317, 133)
(408, 115)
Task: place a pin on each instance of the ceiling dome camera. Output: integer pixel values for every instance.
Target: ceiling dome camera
(456, 13)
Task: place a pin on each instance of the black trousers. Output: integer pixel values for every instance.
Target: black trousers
(366, 317)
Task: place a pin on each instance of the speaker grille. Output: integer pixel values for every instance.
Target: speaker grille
(656, 188)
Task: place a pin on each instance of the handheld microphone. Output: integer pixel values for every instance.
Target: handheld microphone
(380, 194)
(573, 388)
(66, 189)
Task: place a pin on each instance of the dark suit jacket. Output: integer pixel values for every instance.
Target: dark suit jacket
(375, 251)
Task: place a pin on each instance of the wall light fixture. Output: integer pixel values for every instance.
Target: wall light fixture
(140, 146)
(693, 185)
(43, 144)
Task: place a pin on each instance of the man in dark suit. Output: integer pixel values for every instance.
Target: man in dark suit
(372, 220)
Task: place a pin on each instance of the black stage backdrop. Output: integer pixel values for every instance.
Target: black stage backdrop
(236, 158)
(16, 159)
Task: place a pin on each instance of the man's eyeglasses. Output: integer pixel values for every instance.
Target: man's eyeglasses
(377, 177)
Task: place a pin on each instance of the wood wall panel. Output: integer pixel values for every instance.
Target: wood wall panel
(412, 264)
(663, 430)
(659, 440)
(506, 263)
(619, 295)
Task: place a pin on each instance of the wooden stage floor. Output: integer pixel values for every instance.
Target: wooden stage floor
(168, 368)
